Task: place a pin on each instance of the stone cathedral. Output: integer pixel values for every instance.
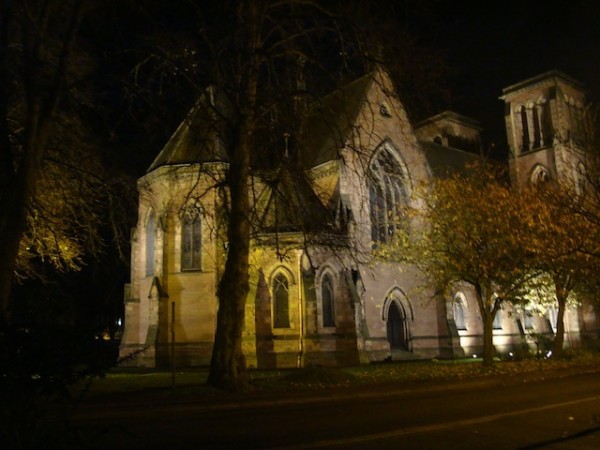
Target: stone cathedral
(318, 296)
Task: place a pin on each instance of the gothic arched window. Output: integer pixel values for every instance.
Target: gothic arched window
(459, 312)
(327, 301)
(387, 194)
(191, 242)
(150, 236)
(539, 174)
(497, 323)
(281, 302)
(528, 319)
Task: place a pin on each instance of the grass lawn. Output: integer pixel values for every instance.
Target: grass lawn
(192, 382)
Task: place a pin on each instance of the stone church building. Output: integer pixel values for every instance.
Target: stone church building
(318, 295)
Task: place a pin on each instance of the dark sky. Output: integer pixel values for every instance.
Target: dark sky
(494, 44)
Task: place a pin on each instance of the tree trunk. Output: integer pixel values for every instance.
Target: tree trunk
(17, 197)
(15, 203)
(487, 310)
(13, 219)
(228, 367)
(559, 338)
(488, 339)
(563, 285)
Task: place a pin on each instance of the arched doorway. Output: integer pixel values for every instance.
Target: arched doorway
(396, 327)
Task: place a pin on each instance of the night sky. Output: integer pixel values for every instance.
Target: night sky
(487, 45)
(494, 44)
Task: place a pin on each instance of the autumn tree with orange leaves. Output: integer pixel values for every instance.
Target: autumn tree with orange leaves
(566, 247)
(470, 227)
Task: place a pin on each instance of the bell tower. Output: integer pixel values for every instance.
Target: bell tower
(545, 129)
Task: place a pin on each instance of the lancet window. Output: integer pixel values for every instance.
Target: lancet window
(191, 241)
(150, 237)
(387, 193)
(459, 307)
(534, 123)
(281, 301)
(327, 301)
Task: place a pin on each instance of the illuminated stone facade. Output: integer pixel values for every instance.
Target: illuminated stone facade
(545, 119)
(318, 296)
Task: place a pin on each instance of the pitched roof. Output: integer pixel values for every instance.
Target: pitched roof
(288, 203)
(199, 138)
(330, 120)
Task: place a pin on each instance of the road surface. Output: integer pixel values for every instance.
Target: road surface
(561, 413)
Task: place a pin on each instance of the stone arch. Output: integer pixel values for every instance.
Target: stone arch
(282, 269)
(539, 174)
(398, 295)
(390, 148)
(398, 315)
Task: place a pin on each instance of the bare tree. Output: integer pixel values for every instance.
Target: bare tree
(55, 191)
(37, 46)
(260, 64)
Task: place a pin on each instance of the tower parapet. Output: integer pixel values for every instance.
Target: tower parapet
(450, 129)
(545, 130)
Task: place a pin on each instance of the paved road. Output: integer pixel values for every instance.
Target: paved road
(553, 414)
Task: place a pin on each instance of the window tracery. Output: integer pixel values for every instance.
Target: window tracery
(327, 301)
(281, 301)
(388, 193)
(191, 241)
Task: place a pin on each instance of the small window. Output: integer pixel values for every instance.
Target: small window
(327, 301)
(281, 302)
(384, 110)
(497, 324)
(150, 236)
(459, 312)
(528, 316)
(191, 242)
